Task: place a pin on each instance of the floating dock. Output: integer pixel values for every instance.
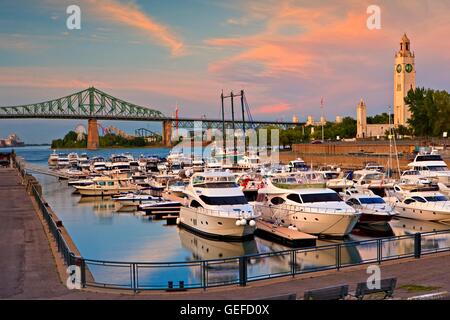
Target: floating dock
(284, 235)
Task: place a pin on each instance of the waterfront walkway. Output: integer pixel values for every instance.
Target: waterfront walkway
(29, 269)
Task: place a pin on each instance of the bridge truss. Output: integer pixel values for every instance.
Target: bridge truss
(92, 103)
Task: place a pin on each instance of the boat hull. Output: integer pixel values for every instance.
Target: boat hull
(327, 224)
(102, 192)
(214, 226)
(423, 214)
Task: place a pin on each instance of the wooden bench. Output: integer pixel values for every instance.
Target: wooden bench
(386, 285)
(289, 296)
(328, 293)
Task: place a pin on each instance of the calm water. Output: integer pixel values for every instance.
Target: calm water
(100, 232)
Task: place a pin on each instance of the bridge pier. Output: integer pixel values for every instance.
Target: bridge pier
(93, 140)
(167, 133)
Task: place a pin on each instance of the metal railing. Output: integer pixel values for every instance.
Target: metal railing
(240, 270)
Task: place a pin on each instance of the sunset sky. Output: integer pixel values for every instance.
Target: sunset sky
(286, 55)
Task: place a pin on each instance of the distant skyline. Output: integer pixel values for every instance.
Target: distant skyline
(285, 54)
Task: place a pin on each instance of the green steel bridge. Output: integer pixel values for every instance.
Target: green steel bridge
(95, 104)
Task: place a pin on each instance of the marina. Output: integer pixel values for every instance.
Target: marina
(135, 233)
(253, 150)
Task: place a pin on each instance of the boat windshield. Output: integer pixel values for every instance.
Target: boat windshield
(371, 200)
(320, 197)
(436, 198)
(219, 201)
(437, 168)
(429, 157)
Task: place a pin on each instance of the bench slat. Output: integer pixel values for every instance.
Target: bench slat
(329, 293)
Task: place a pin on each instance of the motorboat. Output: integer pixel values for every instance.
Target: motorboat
(119, 163)
(431, 165)
(83, 164)
(371, 166)
(373, 180)
(176, 187)
(250, 183)
(149, 207)
(80, 182)
(298, 165)
(134, 199)
(197, 165)
(53, 159)
(73, 158)
(63, 160)
(250, 162)
(98, 164)
(341, 183)
(373, 208)
(217, 207)
(107, 186)
(420, 203)
(212, 164)
(412, 176)
(318, 211)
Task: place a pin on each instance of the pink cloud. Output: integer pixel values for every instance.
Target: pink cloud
(272, 109)
(130, 15)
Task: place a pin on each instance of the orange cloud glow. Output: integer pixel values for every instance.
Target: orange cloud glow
(272, 109)
(130, 15)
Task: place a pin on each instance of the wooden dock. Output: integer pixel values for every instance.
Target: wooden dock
(46, 171)
(284, 235)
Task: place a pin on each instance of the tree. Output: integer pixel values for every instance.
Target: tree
(430, 111)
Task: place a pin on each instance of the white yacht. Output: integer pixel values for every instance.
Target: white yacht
(412, 176)
(420, 203)
(298, 165)
(373, 180)
(134, 199)
(373, 208)
(250, 162)
(433, 166)
(107, 186)
(53, 159)
(217, 207)
(98, 164)
(73, 158)
(342, 182)
(318, 211)
(176, 187)
(119, 163)
(63, 160)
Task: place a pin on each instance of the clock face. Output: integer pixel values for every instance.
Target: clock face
(409, 68)
(399, 68)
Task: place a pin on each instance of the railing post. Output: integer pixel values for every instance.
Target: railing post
(338, 256)
(242, 271)
(133, 280)
(293, 262)
(379, 251)
(417, 245)
(204, 284)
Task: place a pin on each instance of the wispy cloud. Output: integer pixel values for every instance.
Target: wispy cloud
(129, 14)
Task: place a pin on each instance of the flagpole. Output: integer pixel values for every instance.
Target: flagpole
(322, 118)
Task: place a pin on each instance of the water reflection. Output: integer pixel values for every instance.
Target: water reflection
(405, 226)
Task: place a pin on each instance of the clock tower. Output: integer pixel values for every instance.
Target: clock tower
(404, 80)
